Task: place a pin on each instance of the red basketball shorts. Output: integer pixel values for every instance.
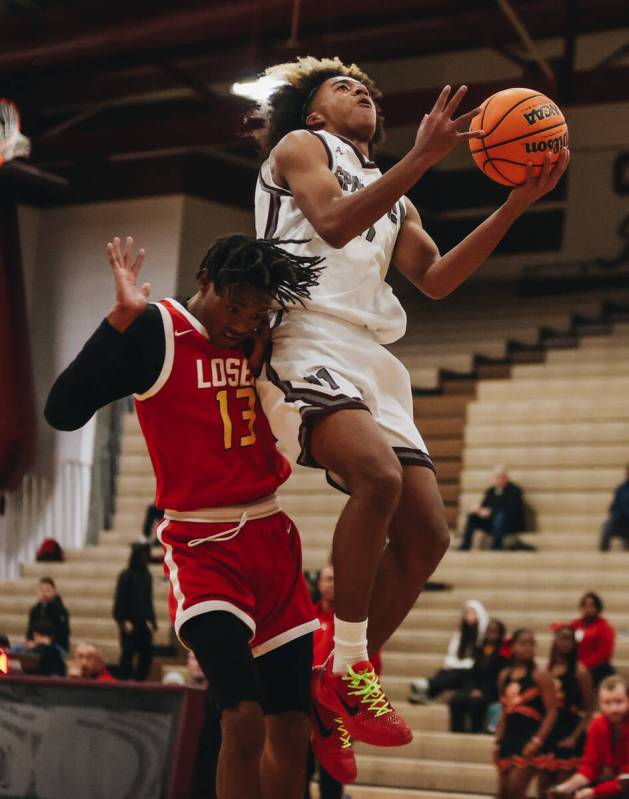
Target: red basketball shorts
(255, 574)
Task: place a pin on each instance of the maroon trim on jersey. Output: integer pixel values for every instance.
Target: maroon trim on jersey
(365, 162)
(275, 200)
(327, 148)
(408, 456)
(273, 189)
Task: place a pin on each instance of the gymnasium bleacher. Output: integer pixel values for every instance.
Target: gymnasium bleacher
(560, 423)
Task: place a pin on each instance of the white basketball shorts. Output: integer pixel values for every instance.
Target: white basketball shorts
(318, 365)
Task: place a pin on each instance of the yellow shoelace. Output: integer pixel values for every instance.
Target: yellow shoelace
(344, 736)
(367, 686)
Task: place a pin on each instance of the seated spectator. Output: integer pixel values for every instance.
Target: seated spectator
(595, 637)
(89, 664)
(460, 658)
(575, 703)
(606, 756)
(468, 705)
(500, 513)
(51, 663)
(528, 699)
(617, 524)
(50, 609)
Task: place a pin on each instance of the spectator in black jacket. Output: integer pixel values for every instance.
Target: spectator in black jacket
(471, 702)
(617, 524)
(51, 662)
(500, 513)
(51, 610)
(135, 615)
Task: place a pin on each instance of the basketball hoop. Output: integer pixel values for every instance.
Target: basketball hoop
(12, 143)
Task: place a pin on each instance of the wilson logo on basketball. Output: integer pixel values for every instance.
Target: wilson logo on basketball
(541, 112)
(551, 145)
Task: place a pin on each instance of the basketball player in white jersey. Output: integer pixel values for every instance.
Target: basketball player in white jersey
(335, 397)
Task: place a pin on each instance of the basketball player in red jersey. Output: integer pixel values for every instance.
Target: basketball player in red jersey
(335, 397)
(237, 594)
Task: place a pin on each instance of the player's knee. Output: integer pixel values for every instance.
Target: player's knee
(379, 483)
(440, 537)
(421, 552)
(242, 729)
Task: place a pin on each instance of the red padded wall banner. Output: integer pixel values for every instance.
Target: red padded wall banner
(17, 401)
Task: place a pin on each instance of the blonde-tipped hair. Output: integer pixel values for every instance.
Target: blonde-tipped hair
(284, 110)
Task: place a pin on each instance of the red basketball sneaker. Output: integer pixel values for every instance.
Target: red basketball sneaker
(358, 698)
(331, 743)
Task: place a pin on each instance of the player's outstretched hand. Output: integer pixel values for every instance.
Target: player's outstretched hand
(131, 300)
(535, 187)
(439, 132)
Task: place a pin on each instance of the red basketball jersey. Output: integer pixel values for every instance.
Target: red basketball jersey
(207, 436)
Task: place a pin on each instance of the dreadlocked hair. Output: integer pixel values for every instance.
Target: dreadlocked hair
(240, 261)
(285, 109)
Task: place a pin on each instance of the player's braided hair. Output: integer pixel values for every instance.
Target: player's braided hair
(239, 260)
(286, 108)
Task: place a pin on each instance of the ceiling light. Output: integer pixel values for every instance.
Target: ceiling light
(256, 89)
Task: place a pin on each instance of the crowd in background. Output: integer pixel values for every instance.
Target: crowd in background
(539, 714)
(46, 645)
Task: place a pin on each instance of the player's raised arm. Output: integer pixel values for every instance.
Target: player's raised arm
(123, 356)
(417, 257)
(300, 162)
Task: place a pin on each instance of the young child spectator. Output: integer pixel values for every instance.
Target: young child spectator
(529, 713)
(617, 523)
(575, 704)
(460, 658)
(469, 704)
(595, 637)
(500, 513)
(89, 664)
(606, 756)
(51, 663)
(50, 608)
(135, 614)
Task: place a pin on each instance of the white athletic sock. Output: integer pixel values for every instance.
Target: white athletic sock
(350, 644)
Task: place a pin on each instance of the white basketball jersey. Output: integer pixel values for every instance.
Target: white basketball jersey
(352, 285)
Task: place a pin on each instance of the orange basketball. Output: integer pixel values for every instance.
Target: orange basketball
(520, 125)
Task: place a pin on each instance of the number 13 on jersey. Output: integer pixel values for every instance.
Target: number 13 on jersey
(247, 414)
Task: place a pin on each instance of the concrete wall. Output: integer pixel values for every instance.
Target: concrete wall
(202, 223)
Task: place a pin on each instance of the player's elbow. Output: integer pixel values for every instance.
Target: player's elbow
(59, 420)
(432, 291)
(332, 233)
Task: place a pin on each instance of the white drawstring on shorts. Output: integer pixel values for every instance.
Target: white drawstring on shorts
(226, 535)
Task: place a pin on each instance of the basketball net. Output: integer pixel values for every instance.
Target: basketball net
(12, 143)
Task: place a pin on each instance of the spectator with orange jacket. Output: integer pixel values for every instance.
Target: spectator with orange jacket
(595, 636)
(606, 756)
